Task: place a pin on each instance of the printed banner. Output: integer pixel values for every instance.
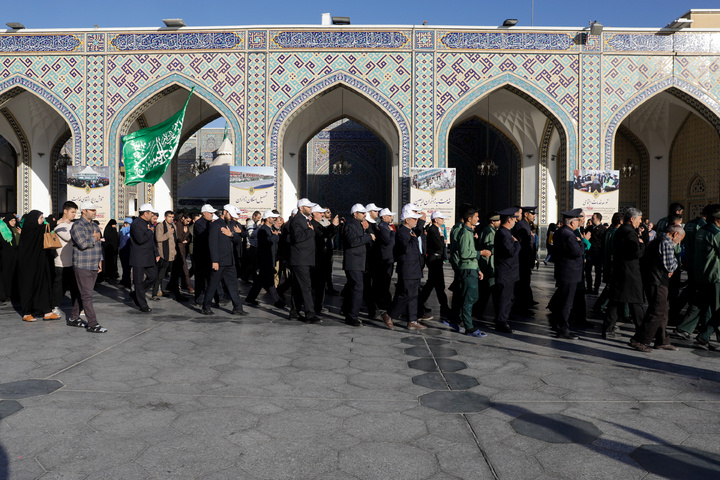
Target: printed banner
(90, 184)
(252, 189)
(597, 191)
(433, 189)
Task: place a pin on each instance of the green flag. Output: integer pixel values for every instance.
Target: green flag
(225, 133)
(148, 152)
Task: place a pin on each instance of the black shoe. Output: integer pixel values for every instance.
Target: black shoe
(145, 309)
(207, 311)
(503, 328)
(353, 323)
(240, 311)
(280, 304)
(704, 344)
(78, 322)
(254, 303)
(567, 336)
(312, 319)
(97, 328)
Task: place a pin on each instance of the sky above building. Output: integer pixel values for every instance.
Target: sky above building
(137, 13)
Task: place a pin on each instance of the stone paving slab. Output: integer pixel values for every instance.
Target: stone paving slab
(175, 395)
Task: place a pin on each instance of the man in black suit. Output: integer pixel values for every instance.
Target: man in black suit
(568, 251)
(528, 255)
(143, 256)
(324, 231)
(222, 238)
(507, 268)
(385, 241)
(302, 259)
(371, 276)
(267, 244)
(356, 239)
(436, 252)
(201, 250)
(409, 270)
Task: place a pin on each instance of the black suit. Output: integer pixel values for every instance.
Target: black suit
(323, 256)
(265, 276)
(222, 252)
(626, 284)
(507, 273)
(354, 263)
(143, 251)
(201, 256)
(409, 270)
(568, 256)
(436, 276)
(385, 241)
(528, 253)
(302, 258)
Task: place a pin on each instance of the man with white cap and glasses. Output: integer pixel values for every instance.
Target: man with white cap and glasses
(356, 239)
(324, 231)
(385, 242)
(371, 276)
(409, 270)
(302, 259)
(87, 258)
(144, 256)
(201, 250)
(419, 231)
(222, 237)
(267, 244)
(436, 251)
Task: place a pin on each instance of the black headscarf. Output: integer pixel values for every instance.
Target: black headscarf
(34, 271)
(52, 221)
(111, 235)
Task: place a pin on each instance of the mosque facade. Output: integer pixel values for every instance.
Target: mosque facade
(540, 103)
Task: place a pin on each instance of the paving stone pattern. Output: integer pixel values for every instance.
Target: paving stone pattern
(178, 395)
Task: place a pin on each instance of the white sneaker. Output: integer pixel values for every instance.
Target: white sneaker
(57, 311)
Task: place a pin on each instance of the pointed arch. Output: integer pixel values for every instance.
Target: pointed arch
(708, 108)
(284, 117)
(529, 92)
(136, 107)
(15, 85)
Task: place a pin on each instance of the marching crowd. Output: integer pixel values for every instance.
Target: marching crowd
(206, 254)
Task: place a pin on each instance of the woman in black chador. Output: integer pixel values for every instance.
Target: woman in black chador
(8, 256)
(110, 251)
(34, 270)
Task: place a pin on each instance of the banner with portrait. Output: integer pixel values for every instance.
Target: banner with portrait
(433, 189)
(252, 189)
(597, 191)
(90, 184)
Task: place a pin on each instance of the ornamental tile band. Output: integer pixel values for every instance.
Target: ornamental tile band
(339, 39)
(39, 43)
(622, 42)
(177, 41)
(507, 41)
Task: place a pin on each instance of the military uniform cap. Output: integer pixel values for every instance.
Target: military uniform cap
(509, 211)
(574, 213)
(529, 209)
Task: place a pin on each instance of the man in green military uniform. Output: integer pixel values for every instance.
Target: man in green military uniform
(707, 274)
(486, 261)
(465, 263)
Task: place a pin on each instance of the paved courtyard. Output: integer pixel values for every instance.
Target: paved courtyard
(176, 395)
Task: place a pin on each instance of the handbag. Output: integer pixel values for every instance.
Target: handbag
(50, 239)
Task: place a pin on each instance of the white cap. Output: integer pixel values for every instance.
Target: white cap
(294, 211)
(386, 211)
(269, 214)
(358, 207)
(370, 220)
(371, 207)
(231, 210)
(86, 205)
(146, 207)
(215, 217)
(304, 202)
(410, 206)
(207, 208)
(437, 214)
(409, 214)
(318, 209)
